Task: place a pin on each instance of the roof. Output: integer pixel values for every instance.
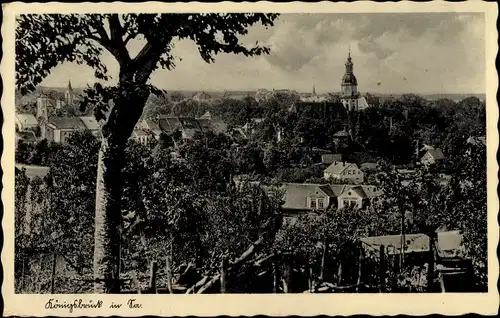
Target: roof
(140, 133)
(351, 191)
(349, 79)
(27, 119)
(330, 158)
(90, 122)
(321, 107)
(449, 243)
(341, 133)
(296, 194)
(151, 124)
(436, 153)
(28, 136)
(67, 123)
(369, 166)
(426, 147)
(189, 126)
(477, 140)
(207, 115)
(201, 95)
(362, 103)
(337, 167)
(170, 124)
(33, 171)
(218, 125)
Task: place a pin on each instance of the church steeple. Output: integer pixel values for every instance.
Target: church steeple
(69, 94)
(314, 90)
(349, 85)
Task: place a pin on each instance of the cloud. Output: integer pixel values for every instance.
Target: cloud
(427, 52)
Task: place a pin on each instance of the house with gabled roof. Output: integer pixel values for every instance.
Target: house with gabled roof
(151, 126)
(58, 129)
(432, 156)
(309, 197)
(344, 171)
(25, 122)
(92, 125)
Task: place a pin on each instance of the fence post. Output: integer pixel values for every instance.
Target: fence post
(22, 275)
(360, 266)
(223, 273)
(382, 268)
(323, 260)
(287, 274)
(310, 278)
(169, 274)
(152, 277)
(339, 272)
(53, 274)
(430, 268)
(276, 272)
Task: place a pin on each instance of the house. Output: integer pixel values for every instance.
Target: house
(426, 148)
(141, 136)
(320, 109)
(344, 171)
(151, 126)
(449, 244)
(341, 138)
(305, 197)
(330, 158)
(201, 96)
(250, 128)
(369, 166)
(33, 171)
(187, 127)
(353, 197)
(207, 115)
(477, 140)
(308, 197)
(26, 122)
(58, 129)
(213, 125)
(92, 125)
(27, 137)
(432, 156)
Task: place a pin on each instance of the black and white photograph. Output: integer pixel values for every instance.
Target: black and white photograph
(270, 152)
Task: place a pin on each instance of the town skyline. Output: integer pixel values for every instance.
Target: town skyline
(427, 53)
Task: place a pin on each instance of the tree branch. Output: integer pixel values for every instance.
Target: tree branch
(114, 45)
(116, 29)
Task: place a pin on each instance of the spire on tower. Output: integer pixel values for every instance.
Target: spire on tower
(69, 85)
(314, 90)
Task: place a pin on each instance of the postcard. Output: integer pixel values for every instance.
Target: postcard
(250, 158)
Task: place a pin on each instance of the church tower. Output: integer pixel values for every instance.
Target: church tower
(349, 86)
(69, 94)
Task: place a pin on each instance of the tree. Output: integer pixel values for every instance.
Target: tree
(44, 41)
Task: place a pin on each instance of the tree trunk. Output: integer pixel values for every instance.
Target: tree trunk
(124, 115)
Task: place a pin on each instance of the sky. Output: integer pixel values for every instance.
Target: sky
(392, 53)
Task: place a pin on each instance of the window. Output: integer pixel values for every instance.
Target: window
(313, 204)
(346, 202)
(320, 204)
